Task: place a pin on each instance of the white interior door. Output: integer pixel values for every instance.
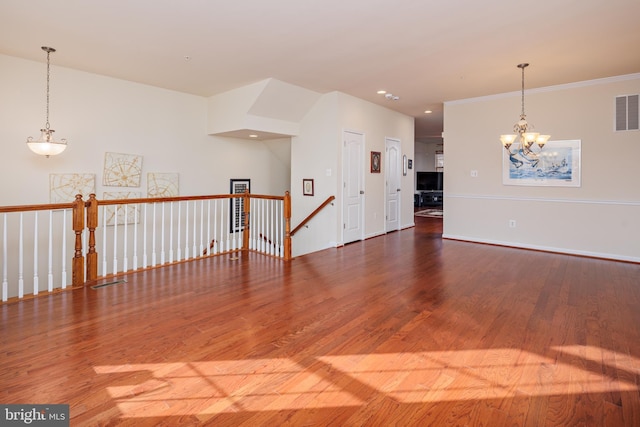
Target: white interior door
(353, 187)
(392, 187)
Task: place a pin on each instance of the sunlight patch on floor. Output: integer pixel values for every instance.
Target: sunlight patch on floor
(212, 387)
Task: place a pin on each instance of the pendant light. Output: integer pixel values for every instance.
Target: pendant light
(46, 145)
(524, 130)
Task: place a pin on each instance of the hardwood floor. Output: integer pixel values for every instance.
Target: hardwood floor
(404, 329)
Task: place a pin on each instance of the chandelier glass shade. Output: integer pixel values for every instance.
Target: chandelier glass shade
(523, 131)
(46, 145)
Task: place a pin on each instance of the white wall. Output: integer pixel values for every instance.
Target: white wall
(378, 123)
(314, 152)
(99, 114)
(600, 218)
(317, 151)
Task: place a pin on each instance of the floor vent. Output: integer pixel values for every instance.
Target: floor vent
(627, 112)
(104, 285)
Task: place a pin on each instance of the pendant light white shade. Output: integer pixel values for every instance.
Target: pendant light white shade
(46, 145)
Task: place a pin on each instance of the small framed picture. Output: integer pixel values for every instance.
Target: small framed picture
(236, 205)
(439, 160)
(375, 161)
(307, 187)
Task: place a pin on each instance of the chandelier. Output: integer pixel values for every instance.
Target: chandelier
(523, 129)
(46, 145)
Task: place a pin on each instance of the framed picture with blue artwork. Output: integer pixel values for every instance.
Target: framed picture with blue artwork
(557, 164)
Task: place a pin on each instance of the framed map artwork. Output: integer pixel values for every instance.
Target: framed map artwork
(162, 184)
(120, 214)
(63, 187)
(122, 170)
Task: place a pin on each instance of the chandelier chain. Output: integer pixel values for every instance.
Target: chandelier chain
(48, 66)
(522, 114)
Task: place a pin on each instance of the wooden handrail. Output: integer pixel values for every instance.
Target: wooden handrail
(314, 213)
(44, 207)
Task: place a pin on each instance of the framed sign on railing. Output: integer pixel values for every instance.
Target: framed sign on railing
(236, 208)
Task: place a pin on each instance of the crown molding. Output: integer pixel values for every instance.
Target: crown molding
(585, 83)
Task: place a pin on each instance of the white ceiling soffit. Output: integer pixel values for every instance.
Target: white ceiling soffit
(268, 109)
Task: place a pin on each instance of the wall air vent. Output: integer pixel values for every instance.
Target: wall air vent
(627, 112)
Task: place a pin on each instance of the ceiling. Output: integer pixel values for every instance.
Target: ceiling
(423, 51)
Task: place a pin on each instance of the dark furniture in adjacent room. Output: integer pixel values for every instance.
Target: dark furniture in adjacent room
(430, 187)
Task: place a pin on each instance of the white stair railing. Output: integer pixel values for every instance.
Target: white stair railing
(124, 232)
(34, 241)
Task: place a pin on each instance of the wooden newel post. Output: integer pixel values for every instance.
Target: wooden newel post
(287, 226)
(92, 224)
(77, 265)
(247, 216)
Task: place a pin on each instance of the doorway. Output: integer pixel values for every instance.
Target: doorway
(353, 187)
(393, 182)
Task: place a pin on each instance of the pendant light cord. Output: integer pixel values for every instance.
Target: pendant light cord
(48, 53)
(522, 114)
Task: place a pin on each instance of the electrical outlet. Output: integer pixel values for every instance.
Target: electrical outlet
(512, 223)
(474, 173)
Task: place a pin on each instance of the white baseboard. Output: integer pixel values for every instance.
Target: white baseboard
(566, 251)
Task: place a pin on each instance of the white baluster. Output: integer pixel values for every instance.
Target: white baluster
(144, 237)
(50, 257)
(257, 230)
(251, 222)
(280, 221)
(162, 236)
(153, 236)
(125, 256)
(208, 227)
(186, 233)
(115, 239)
(229, 225)
(135, 237)
(255, 224)
(5, 282)
(263, 226)
(269, 226)
(216, 246)
(269, 243)
(201, 228)
(35, 253)
(171, 232)
(194, 251)
(221, 240)
(21, 260)
(179, 228)
(64, 249)
(104, 240)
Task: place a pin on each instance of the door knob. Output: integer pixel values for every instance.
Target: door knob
(361, 191)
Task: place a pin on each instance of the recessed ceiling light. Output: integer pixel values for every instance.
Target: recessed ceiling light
(428, 112)
(382, 92)
(253, 135)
